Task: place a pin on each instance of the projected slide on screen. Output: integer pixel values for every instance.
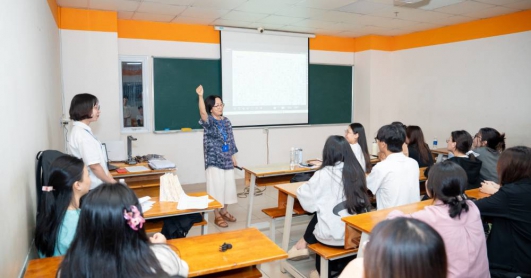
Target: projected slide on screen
(265, 85)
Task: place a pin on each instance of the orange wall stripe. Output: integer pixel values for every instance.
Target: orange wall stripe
(330, 43)
(373, 43)
(133, 29)
(496, 26)
(55, 11)
(88, 20)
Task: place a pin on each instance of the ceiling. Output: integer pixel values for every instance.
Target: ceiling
(344, 18)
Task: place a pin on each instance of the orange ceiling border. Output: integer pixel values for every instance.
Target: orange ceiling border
(148, 30)
(92, 20)
(483, 28)
(55, 11)
(88, 20)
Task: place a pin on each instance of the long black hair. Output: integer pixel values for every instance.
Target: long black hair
(104, 244)
(357, 128)
(447, 182)
(416, 140)
(405, 248)
(337, 149)
(64, 172)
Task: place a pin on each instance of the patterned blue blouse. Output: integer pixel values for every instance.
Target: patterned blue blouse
(213, 141)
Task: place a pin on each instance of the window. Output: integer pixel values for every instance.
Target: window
(134, 108)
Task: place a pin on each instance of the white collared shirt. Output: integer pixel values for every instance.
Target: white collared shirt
(395, 181)
(83, 144)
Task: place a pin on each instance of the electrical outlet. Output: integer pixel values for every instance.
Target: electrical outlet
(63, 121)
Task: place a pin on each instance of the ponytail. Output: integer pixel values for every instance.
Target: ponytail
(457, 204)
(46, 238)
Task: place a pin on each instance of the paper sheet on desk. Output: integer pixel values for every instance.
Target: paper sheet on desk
(189, 202)
(133, 169)
(146, 203)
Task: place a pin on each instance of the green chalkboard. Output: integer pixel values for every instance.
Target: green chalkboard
(174, 83)
(175, 80)
(330, 94)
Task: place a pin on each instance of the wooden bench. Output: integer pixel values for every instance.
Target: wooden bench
(330, 254)
(155, 226)
(280, 212)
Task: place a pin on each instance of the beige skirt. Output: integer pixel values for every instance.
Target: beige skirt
(220, 184)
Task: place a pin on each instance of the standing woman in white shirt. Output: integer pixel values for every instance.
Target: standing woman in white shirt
(355, 135)
(84, 110)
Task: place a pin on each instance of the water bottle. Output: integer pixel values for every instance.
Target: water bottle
(299, 156)
(292, 158)
(374, 149)
(434, 143)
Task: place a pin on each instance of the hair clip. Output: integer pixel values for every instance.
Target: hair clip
(47, 188)
(134, 218)
(459, 198)
(225, 246)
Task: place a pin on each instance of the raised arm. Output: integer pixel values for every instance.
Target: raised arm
(202, 109)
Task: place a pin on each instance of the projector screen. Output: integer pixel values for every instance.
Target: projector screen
(264, 78)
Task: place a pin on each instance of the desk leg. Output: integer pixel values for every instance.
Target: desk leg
(251, 198)
(364, 238)
(204, 228)
(287, 229)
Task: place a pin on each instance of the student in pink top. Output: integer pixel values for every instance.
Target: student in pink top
(456, 219)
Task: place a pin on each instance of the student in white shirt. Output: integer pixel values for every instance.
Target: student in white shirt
(355, 135)
(85, 109)
(395, 180)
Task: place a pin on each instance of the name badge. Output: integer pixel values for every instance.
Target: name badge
(225, 148)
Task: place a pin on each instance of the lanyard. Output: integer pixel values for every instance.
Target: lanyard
(221, 128)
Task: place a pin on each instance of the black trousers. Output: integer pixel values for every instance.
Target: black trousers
(335, 265)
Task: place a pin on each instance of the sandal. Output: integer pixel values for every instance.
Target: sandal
(220, 222)
(227, 216)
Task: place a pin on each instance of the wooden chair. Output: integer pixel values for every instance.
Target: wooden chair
(330, 254)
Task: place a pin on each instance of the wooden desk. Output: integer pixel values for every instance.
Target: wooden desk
(145, 183)
(168, 209)
(365, 222)
(281, 173)
(249, 247)
(439, 153)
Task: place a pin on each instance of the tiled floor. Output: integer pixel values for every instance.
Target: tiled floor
(266, 200)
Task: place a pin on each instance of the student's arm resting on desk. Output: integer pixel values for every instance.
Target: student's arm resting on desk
(201, 102)
(308, 192)
(495, 205)
(100, 173)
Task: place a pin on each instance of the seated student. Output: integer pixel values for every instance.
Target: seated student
(489, 144)
(459, 145)
(456, 219)
(110, 240)
(59, 206)
(355, 135)
(417, 147)
(401, 248)
(336, 190)
(509, 210)
(405, 151)
(395, 180)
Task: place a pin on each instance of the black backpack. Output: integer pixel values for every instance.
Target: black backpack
(42, 170)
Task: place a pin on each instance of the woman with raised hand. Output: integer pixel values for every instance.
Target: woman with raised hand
(459, 145)
(84, 110)
(337, 189)
(219, 150)
(401, 248)
(489, 144)
(417, 147)
(355, 135)
(111, 242)
(60, 205)
(456, 219)
(509, 211)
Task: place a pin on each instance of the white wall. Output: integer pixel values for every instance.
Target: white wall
(30, 110)
(464, 85)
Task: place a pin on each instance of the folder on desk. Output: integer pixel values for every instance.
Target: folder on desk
(157, 164)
